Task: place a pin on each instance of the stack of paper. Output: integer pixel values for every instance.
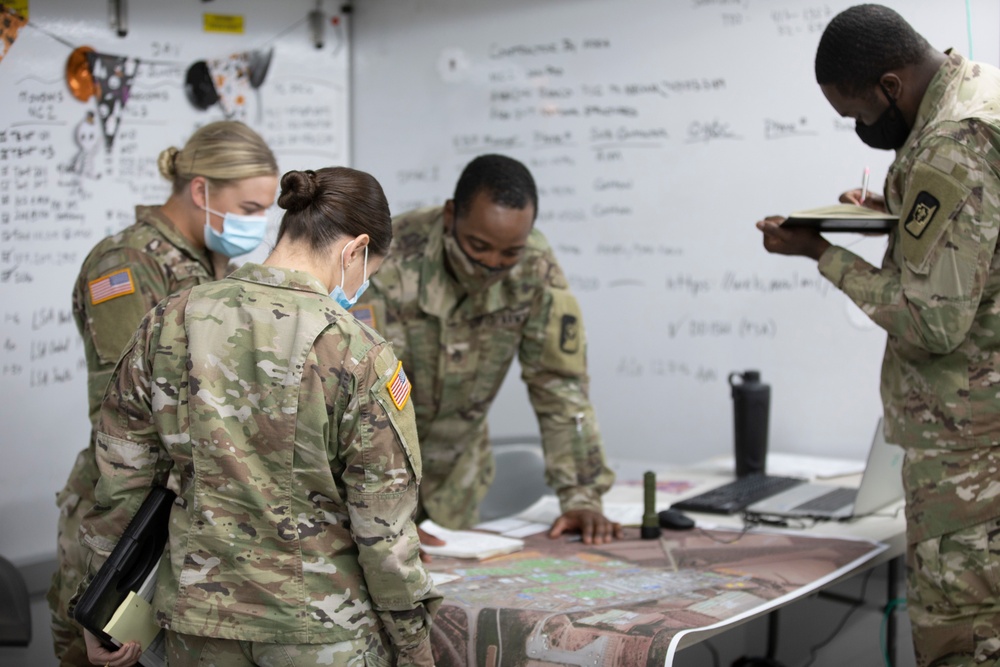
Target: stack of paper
(468, 543)
(513, 527)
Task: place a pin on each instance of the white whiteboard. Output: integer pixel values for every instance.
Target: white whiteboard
(50, 217)
(658, 132)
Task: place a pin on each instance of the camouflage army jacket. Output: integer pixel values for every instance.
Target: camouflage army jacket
(457, 348)
(146, 262)
(285, 424)
(159, 260)
(938, 297)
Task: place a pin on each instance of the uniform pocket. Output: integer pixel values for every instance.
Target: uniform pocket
(374, 660)
(495, 352)
(403, 424)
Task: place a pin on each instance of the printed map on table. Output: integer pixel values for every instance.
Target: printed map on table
(562, 603)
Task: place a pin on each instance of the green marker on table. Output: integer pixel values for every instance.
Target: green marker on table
(650, 521)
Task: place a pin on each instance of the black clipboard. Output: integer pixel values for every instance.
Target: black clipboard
(843, 218)
(856, 225)
(133, 558)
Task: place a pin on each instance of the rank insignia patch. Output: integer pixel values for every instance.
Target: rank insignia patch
(399, 387)
(111, 286)
(925, 206)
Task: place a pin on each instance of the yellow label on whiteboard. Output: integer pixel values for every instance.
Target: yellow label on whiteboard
(19, 7)
(230, 23)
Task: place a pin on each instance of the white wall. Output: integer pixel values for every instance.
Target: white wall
(658, 132)
(50, 217)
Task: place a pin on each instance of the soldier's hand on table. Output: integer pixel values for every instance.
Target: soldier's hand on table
(429, 540)
(126, 655)
(791, 241)
(594, 527)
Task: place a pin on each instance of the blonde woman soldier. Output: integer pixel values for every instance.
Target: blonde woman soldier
(223, 180)
(287, 427)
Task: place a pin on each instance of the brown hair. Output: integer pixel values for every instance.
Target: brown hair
(222, 152)
(324, 205)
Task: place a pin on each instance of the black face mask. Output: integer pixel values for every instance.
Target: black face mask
(889, 132)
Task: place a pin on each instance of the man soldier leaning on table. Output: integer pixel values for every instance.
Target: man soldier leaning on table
(465, 287)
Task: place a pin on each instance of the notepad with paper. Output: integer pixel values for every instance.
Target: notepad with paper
(135, 620)
(468, 543)
(843, 218)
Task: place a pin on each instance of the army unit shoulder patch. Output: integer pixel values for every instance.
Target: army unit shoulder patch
(399, 387)
(115, 284)
(925, 207)
(365, 315)
(569, 334)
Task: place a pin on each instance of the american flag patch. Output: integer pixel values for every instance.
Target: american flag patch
(110, 286)
(399, 387)
(364, 314)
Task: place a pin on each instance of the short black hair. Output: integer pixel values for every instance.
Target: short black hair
(864, 42)
(508, 182)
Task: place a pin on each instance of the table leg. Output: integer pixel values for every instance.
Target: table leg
(772, 634)
(892, 591)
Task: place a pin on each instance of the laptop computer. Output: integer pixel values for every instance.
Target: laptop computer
(881, 484)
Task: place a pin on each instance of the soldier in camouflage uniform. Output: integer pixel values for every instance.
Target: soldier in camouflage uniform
(937, 295)
(127, 274)
(465, 288)
(287, 427)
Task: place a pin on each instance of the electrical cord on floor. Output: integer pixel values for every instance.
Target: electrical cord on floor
(882, 639)
(840, 626)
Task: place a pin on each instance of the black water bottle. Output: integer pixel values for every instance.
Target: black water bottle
(751, 406)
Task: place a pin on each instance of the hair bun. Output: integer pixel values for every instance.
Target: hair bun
(298, 190)
(167, 162)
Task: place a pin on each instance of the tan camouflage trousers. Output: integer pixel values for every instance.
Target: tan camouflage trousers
(954, 597)
(72, 560)
(191, 651)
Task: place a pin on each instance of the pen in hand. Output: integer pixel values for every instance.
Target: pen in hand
(864, 186)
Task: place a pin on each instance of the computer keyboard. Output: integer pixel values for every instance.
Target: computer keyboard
(738, 494)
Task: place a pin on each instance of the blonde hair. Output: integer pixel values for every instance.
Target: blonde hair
(222, 152)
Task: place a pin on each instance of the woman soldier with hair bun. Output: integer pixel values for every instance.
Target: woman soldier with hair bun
(287, 427)
(223, 180)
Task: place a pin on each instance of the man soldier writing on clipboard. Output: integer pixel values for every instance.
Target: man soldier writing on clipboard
(937, 295)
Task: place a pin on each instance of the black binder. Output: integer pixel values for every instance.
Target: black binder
(856, 225)
(133, 558)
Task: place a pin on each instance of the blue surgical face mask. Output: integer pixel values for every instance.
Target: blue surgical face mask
(240, 233)
(338, 294)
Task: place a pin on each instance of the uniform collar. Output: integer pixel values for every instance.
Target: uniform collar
(283, 278)
(947, 76)
(154, 217)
